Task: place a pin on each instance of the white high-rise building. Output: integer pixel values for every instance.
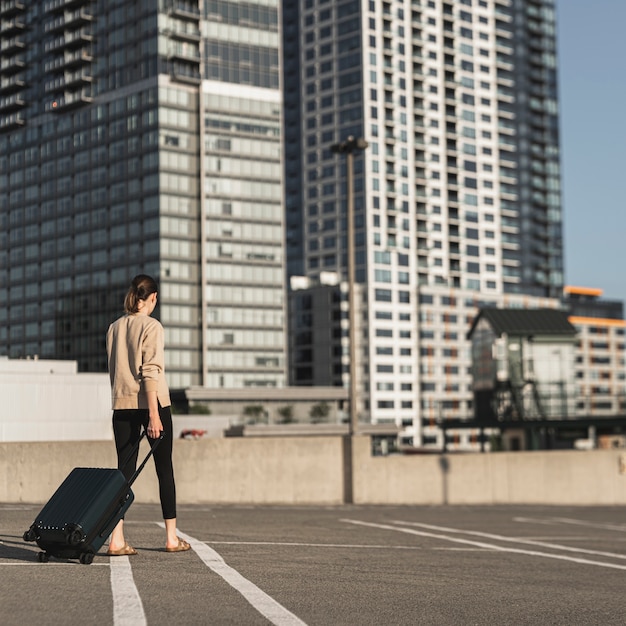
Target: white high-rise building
(457, 197)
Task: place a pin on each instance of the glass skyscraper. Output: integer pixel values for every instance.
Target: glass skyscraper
(143, 137)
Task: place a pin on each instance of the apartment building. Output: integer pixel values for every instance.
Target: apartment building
(601, 353)
(457, 196)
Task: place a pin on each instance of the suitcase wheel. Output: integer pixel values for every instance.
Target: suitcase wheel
(76, 537)
(86, 558)
(43, 557)
(30, 535)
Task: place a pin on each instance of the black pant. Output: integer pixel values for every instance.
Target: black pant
(127, 426)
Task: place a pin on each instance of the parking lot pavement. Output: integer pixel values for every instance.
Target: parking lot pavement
(339, 565)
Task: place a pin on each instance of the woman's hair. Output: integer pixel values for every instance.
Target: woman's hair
(140, 288)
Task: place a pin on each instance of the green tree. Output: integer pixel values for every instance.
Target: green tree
(199, 409)
(253, 412)
(319, 412)
(286, 414)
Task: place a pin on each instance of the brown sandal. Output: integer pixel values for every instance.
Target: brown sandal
(126, 550)
(182, 546)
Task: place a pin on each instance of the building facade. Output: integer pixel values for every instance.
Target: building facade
(457, 197)
(601, 353)
(143, 137)
(318, 331)
(433, 386)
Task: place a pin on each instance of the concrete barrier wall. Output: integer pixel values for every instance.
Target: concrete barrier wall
(310, 470)
(278, 470)
(594, 477)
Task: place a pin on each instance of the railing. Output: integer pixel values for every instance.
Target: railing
(11, 7)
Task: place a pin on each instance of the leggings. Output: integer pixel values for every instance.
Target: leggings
(127, 427)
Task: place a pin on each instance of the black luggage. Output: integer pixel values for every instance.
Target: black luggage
(83, 512)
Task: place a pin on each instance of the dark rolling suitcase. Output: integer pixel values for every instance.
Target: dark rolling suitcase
(83, 512)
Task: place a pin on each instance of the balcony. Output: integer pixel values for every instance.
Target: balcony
(190, 35)
(453, 216)
(13, 44)
(11, 27)
(69, 100)
(420, 175)
(389, 136)
(68, 80)
(186, 73)
(71, 40)
(71, 19)
(185, 10)
(504, 62)
(55, 6)
(12, 102)
(9, 8)
(506, 110)
(12, 65)
(184, 52)
(12, 83)
(69, 59)
(503, 28)
(14, 120)
(540, 218)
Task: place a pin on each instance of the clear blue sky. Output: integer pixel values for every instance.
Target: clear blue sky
(592, 90)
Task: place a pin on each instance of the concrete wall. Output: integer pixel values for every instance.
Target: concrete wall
(279, 470)
(298, 470)
(594, 477)
(309, 470)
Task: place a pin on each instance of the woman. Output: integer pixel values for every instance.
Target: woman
(141, 399)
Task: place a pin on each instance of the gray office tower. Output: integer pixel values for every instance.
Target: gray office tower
(143, 137)
(457, 197)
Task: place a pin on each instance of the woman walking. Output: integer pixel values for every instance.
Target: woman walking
(141, 399)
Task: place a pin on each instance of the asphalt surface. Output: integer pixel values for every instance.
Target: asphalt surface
(331, 566)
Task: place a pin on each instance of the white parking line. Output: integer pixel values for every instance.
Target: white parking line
(481, 544)
(557, 538)
(531, 520)
(363, 546)
(266, 605)
(576, 522)
(127, 605)
(552, 521)
(532, 542)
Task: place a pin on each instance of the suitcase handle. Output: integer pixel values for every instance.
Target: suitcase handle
(136, 449)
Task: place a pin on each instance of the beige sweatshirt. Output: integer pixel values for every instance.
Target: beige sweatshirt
(136, 354)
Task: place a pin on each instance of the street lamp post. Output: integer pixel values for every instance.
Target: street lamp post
(348, 147)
